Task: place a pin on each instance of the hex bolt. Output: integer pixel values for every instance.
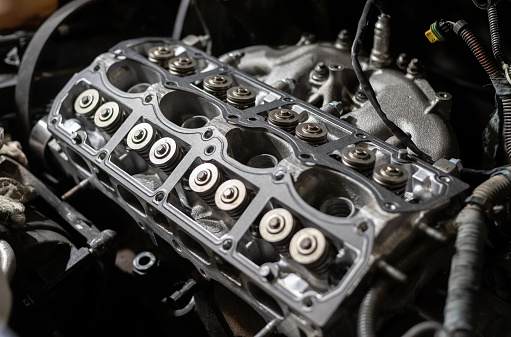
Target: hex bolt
(320, 72)
(360, 95)
(402, 61)
(415, 67)
(343, 40)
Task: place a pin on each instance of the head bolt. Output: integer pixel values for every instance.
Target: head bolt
(415, 67)
(320, 72)
(402, 61)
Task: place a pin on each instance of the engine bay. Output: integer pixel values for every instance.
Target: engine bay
(237, 182)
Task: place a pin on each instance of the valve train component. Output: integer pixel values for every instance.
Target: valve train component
(205, 143)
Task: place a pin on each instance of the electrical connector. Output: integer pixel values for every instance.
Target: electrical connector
(439, 31)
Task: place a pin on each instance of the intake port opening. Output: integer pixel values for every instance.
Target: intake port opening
(259, 149)
(188, 110)
(127, 74)
(332, 192)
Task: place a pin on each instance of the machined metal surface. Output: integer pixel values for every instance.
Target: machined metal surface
(245, 165)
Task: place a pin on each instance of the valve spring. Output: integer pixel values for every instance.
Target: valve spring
(241, 97)
(182, 66)
(217, 85)
(278, 227)
(284, 119)
(393, 177)
(165, 154)
(140, 139)
(359, 158)
(161, 55)
(311, 133)
(232, 197)
(109, 117)
(87, 103)
(310, 248)
(204, 180)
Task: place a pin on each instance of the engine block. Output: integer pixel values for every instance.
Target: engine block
(286, 205)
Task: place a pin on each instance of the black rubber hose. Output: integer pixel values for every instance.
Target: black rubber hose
(461, 28)
(506, 116)
(467, 262)
(496, 44)
(423, 328)
(368, 311)
(368, 88)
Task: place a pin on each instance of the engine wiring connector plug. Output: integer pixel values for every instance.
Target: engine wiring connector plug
(439, 31)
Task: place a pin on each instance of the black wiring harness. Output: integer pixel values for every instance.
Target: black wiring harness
(368, 89)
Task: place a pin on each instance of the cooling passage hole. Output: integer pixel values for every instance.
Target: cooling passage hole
(96, 68)
(361, 136)
(159, 197)
(308, 302)
(339, 207)
(203, 273)
(208, 134)
(210, 149)
(252, 119)
(232, 117)
(305, 156)
(287, 99)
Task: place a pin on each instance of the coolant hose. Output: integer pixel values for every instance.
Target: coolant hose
(369, 308)
(488, 63)
(467, 262)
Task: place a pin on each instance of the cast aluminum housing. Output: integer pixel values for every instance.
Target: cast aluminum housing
(278, 170)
